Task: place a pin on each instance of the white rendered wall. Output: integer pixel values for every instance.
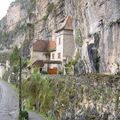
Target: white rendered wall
(59, 49)
(2, 70)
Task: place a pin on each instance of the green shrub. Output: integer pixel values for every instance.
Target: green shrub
(40, 89)
(78, 38)
(6, 75)
(14, 57)
(24, 115)
(61, 72)
(4, 57)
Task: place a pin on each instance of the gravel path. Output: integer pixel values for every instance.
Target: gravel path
(9, 104)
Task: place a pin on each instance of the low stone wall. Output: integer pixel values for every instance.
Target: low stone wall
(88, 97)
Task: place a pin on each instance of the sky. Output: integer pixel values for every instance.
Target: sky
(4, 6)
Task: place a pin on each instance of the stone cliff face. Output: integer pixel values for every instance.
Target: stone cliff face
(15, 27)
(96, 26)
(99, 23)
(50, 15)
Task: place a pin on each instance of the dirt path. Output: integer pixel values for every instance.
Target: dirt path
(9, 104)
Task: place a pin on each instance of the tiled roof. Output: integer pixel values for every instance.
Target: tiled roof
(40, 46)
(44, 46)
(67, 24)
(40, 63)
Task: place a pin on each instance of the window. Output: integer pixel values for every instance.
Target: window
(59, 55)
(59, 41)
(53, 56)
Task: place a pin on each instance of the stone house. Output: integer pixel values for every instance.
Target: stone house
(52, 55)
(40, 54)
(65, 45)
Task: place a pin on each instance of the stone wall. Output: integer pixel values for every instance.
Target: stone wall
(68, 44)
(87, 97)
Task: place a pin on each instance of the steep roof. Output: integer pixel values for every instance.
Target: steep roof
(44, 46)
(40, 46)
(67, 24)
(40, 63)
